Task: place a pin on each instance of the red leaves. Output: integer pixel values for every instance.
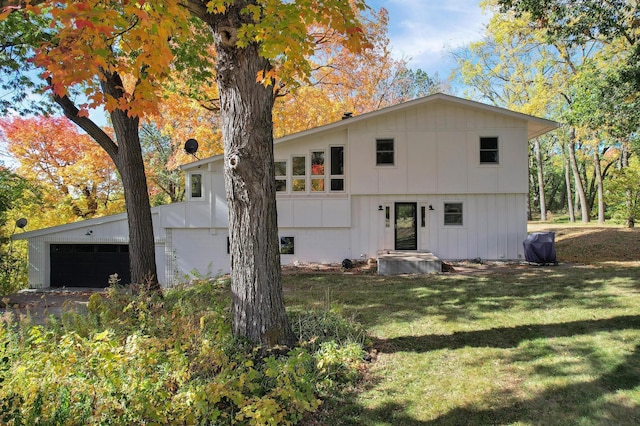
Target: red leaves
(84, 23)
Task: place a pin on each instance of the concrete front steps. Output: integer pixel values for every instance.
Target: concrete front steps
(407, 262)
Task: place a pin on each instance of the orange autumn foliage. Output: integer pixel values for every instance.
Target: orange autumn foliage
(78, 180)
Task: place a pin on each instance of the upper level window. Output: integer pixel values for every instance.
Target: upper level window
(337, 168)
(489, 150)
(281, 176)
(317, 171)
(196, 185)
(384, 152)
(299, 173)
(453, 214)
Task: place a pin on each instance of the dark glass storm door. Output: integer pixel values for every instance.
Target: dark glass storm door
(406, 226)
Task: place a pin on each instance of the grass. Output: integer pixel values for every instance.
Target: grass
(522, 345)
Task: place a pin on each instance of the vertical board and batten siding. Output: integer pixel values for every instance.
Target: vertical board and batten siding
(325, 245)
(437, 152)
(314, 212)
(197, 253)
(209, 211)
(436, 161)
(494, 226)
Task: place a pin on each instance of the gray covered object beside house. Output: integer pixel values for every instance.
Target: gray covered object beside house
(438, 174)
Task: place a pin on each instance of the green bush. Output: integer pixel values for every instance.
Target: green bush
(138, 358)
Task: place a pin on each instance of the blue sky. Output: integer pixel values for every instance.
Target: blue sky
(424, 30)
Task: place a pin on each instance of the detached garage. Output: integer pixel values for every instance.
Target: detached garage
(88, 265)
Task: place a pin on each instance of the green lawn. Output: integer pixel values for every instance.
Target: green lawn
(526, 346)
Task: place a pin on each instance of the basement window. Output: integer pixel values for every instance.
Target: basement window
(453, 214)
(287, 245)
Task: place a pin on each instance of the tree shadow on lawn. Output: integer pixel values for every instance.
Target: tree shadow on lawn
(376, 300)
(505, 337)
(563, 405)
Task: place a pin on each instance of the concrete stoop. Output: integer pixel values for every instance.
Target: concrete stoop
(403, 262)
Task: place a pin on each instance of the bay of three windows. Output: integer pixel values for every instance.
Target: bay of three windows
(319, 174)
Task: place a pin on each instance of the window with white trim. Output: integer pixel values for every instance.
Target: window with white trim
(299, 173)
(337, 169)
(317, 171)
(281, 176)
(196, 185)
(489, 150)
(385, 155)
(453, 214)
(287, 245)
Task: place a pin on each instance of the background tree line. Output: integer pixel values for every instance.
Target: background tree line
(579, 66)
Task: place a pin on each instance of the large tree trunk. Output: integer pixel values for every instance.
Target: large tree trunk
(247, 129)
(142, 257)
(584, 206)
(127, 156)
(543, 204)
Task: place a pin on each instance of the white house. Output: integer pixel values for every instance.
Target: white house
(438, 174)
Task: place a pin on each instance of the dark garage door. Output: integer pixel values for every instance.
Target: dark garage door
(88, 265)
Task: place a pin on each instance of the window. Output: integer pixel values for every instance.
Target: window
(337, 168)
(281, 176)
(299, 173)
(423, 216)
(286, 245)
(317, 171)
(384, 152)
(453, 214)
(387, 216)
(196, 185)
(489, 150)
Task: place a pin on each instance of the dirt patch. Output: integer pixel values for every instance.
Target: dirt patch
(358, 267)
(39, 304)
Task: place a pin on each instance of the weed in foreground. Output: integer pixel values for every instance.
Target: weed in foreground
(135, 357)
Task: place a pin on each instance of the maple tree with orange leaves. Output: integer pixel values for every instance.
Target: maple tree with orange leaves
(77, 180)
(121, 53)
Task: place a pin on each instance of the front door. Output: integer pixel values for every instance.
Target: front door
(406, 237)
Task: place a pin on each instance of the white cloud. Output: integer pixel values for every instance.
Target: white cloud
(423, 30)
